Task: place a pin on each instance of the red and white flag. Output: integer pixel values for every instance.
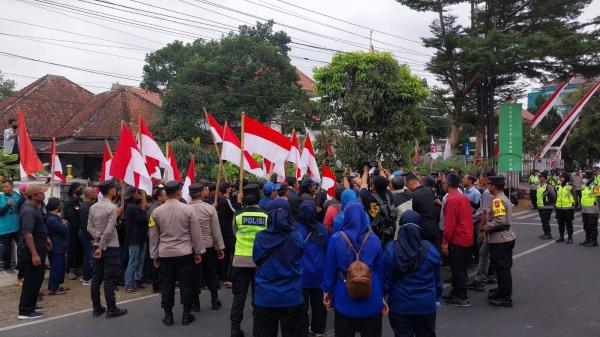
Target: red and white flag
(106, 161)
(172, 171)
(569, 120)
(265, 141)
(434, 153)
(151, 151)
(309, 161)
(30, 163)
(215, 128)
(128, 163)
(230, 151)
(55, 165)
(294, 155)
(190, 178)
(328, 183)
(549, 104)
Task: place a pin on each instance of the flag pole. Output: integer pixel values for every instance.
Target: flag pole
(241, 182)
(123, 184)
(217, 150)
(217, 191)
(168, 158)
(143, 193)
(296, 164)
(52, 155)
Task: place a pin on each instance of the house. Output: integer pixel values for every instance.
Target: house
(306, 83)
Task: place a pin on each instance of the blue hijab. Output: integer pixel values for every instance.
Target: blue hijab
(277, 234)
(410, 216)
(307, 217)
(348, 196)
(355, 224)
(408, 246)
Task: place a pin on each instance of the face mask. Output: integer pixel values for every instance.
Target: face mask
(585, 181)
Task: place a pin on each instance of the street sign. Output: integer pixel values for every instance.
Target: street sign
(510, 156)
(467, 150)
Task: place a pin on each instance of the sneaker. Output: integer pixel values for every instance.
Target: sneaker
(187, 319)
(116, 312)
(592, 244)
(317, 334)
(501, 302)
(476, 286)
(546, 236)
(569, 240)
(32, 315)
(71, 276)
(457, 302)
(168, 319)
(561, 239)
(583, 243)
(492, 293)
(39, 309)
(86, 282)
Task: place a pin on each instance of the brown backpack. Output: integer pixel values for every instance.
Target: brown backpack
(358, 276)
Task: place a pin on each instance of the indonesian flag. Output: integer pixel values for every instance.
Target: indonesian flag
(265, 141)
(267, 168)
(277, 168)
(106, 161)
(151, 152)
(215, 128)
(328, 183)
(309, 161)
(549, 104)
(190, 178)
(55, 165)
(570, 119)
(434, 153)
(30, 163)
(172, 171)
(294, 155)
(128, 163)
(230, 151)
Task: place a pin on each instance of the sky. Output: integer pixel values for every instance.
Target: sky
(119, 49)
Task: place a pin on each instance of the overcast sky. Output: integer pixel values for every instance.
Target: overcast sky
(129, 43)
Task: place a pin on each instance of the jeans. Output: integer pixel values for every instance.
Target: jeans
(57, 270)
(178, 269)
(564, 217)
(590, 226)
(484, 261)
(313, 299)
(243, 278)
(86, 244)
(134, 266)
(32, 283)
(501, 258)
(267, 321)
(6, 241)
(545, 215)
(367, 327)
(413, 326)
(459, 262)
(106, 269)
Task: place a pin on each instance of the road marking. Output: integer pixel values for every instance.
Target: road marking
(44, 320)
(525, 216)
(529, 251)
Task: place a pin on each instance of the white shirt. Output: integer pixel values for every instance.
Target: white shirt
(9, 143)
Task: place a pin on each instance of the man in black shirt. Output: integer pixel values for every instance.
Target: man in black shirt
(33, 247)
(71, 213)
(373, 206)
(226, 212)
(422, 203)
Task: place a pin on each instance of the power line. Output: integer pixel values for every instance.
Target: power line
(71, 41)
(80, 83)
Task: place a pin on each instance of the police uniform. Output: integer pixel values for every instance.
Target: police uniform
(545, 196)
(175, 240)
(589, 213)
(207, 217)
(534, 183)
(501, 239)
(249, 221)
(565, 211)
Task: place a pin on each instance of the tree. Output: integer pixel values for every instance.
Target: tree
(534, 139)
(6, 87)
(582, 147)
(372, 103)
(247, 71)
(506, 40)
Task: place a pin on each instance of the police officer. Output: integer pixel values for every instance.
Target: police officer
(565, 211)
(534, 182)
(175, 246)
(589, 211)
(102, 227)
(546, 196)
(249, 221)
(501, 239)
(207, 217)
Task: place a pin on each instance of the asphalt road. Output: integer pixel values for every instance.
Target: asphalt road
(556, 293)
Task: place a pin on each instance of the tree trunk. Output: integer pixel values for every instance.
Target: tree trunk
(454, 130)
(479, 141)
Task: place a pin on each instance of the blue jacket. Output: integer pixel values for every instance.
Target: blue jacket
(313, 260)
(9, 216)
(415, 293)
(58, 233)
(262, 203)
(278, 257)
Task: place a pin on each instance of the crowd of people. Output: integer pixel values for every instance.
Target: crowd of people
(373, 249)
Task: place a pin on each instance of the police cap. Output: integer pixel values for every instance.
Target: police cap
(171, 187)
(196, 189)
(251, 189)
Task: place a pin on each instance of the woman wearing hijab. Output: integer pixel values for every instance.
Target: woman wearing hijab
(278, 298)
(315, 239)
(413, 285)
(351, 315)
(348, 197)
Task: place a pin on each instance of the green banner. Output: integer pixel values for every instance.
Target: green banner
(510, 155)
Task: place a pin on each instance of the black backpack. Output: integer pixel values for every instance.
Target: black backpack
(384, 224)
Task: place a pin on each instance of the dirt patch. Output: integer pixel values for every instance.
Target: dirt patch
(77, 298)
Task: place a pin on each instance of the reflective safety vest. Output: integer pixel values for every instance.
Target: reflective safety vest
(564, 196)
(588, 199)
(597, 180)
(540, 194)
(248, 223)
(534, 182)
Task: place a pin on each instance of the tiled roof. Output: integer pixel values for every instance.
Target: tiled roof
(152, 97)
(48, 104)
(307, 84)
(527, 116)
(101, 117)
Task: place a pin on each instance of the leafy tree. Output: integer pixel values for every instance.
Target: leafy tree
(582, 147)
(6, 87)
(507, 39)
(246, 71)
(533, 140)
(373, 104)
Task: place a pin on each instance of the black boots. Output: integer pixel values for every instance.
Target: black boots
(546, 236)
(593, 243)
(561, 238)
(214, 297)
(187, 318)
(570, 239)
(98, 311)
(115, 312)
(168, 319)
(196, 304)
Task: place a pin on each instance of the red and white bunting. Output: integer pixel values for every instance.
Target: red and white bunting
(55, 165)
(550, 103)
